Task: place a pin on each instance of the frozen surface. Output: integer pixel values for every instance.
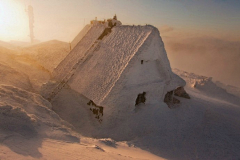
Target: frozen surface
(16, 65)
(229, 88)
(29, 129)
(204, 127)
(100, 72)
(78, 52)
(26, 114)
(29, 67)
(80, 35)
(49, 54)
(205, 85)
(12, 77)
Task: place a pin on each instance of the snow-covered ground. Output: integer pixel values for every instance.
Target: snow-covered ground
(30, 129)
(30, 67)
(229, 88)
(49, 54)
(203, 127)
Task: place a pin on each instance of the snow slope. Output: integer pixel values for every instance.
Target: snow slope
(12, 77)
(88, 149)
(49, 54)
(26, 119)
(24, 65)
(206, 86)
(27, 114)
(29, 129)
(7, 45)
(204, 127)
(30, 67)
(229, 88)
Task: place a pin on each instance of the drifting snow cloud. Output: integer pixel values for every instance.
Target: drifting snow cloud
(166, 28)
(218, 58)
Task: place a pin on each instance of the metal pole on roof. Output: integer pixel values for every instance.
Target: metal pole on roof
(29, 10)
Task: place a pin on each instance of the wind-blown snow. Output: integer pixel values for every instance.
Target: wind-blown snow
(10, 76)
(29, 129)
(49, 54)
(229, 88)
(28, 114)
(23, 66)
(28, 68)
(206, 86)
(204, 127)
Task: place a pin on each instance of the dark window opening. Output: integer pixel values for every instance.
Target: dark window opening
(141, 61)
(96, 110)
(140, 98)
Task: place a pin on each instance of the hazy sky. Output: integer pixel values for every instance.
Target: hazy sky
(63, 19)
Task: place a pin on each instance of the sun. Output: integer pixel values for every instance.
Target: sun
(13, 20)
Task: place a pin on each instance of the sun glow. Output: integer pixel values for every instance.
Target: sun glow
(13, 21)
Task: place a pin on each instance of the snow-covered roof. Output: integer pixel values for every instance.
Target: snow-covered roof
(95, 77)
(89, 36)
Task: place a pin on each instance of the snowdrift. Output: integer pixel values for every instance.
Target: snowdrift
(206, 126)
(48, 54)
(26, 114)
(28, 68)
(96, 87)
(23, 65)
(29, 129)
(229, 88)
(206, 86)
(111, 75)
(10, 76)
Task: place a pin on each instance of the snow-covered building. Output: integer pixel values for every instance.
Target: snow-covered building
(115, 65)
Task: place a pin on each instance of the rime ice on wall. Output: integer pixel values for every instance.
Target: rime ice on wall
(117, 66)
(148, 71)
(106, 65)
(127, 61)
